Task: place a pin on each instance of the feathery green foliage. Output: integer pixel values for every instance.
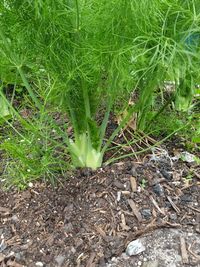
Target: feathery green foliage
(97, 51)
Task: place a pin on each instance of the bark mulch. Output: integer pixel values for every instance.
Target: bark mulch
(90, 217)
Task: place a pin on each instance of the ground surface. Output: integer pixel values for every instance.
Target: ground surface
(89, 219)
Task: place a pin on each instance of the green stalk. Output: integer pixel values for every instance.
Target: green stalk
(86, 100)
(109, 106)
(77, 16)
(104, 124)
(29, 89)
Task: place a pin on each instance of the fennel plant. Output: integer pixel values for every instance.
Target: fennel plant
(96, 52)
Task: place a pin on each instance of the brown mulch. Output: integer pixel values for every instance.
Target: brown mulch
(92, 216)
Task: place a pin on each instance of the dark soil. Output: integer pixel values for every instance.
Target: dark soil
(90, 217)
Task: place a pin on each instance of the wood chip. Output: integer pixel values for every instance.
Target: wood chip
(91, 259)
(156, 205)
(184, 253)
(100, 231)
(135, 210)
(173, 205)
(154, 213)
(2, 257)
(197, 228)
(123, 219)
(123, 224)
(5, 211)
(133, 184)
(196, 174)
(192, 208)
(192, 252)
(126, 192)
(173, 224)
(12, 263)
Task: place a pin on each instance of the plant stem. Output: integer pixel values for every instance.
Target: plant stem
(29, 89)
(77, 16)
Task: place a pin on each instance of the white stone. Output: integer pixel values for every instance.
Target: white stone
(135, 247)
(118, 196)
(39, 264)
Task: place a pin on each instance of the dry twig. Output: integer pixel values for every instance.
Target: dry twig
(135, 210)
(156, 205)
(184, 253)
(173, 205)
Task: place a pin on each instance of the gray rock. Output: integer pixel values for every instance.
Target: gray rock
(146, 213)
(166, 175)
(186, 198)
(59, 260)
(135, 247)
(133, 171)
(19, 255)
(173, 216)
(158, 190)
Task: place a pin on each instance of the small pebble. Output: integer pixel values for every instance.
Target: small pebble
(173, 216)
(14, 218)
(30, 184)
(139, 263)
(133, 171)
(39, 264)
(59, 260)
(186, 198)
(19, 255)
(146, 213)
(118, 196)
(158, 190)
(166, 175)
(114, 259)
(135, 247)
(73, 250)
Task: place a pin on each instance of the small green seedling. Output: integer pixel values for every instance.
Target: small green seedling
(143, 183)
